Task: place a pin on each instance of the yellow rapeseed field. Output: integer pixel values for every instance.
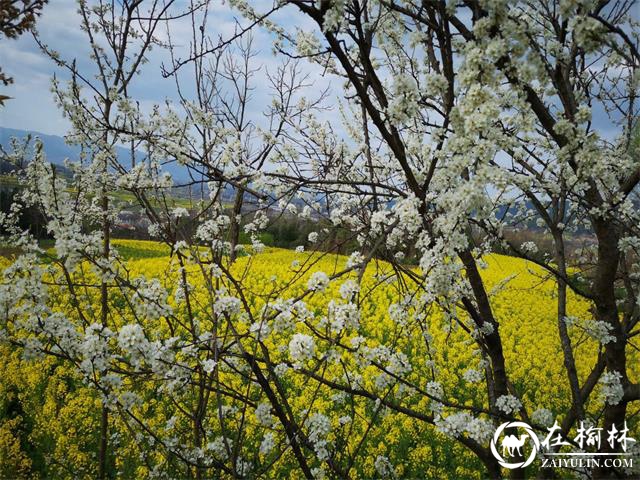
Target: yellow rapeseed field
(52, 418)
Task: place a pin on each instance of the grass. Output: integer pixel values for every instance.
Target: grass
(11, 181)
(127, 197)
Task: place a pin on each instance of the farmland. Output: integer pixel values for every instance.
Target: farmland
(49, 417)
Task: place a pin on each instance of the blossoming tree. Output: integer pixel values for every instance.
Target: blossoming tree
(461, 122)
(488, 115)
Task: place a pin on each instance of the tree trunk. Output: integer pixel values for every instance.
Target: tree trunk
(493, 341)
(234, 230)
(607, 311)
(565, 340)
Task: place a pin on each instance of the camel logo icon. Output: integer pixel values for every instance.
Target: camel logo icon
(511, 443)
(514, 445)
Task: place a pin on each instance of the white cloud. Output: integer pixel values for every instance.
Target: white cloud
(33, 107)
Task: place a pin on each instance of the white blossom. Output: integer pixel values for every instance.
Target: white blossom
(267, 444)
(543, 416)
(472, 376)
(318, 282)
(179, 212)
(508, 404)
(209, 365)
(611, 388)
(263, 414)
(348, 289)
(384, 467)
(301, 347)
(458, 424)
(319, 428)
(355, 260)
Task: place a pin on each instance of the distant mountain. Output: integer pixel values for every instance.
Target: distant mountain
(57, 150)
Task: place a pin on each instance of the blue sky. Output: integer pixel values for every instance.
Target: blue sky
(32, 106)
